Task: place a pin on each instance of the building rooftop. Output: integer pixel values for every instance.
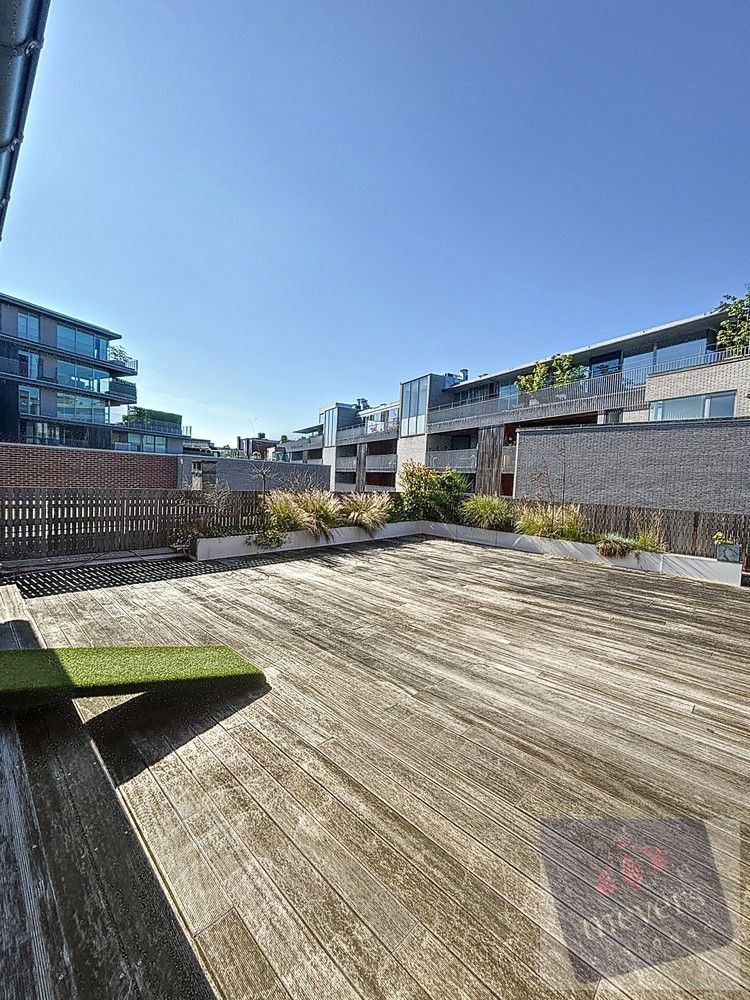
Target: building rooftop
(370, 826)
(628, 338)
(60, 317)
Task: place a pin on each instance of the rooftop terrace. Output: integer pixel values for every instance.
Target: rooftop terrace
(377, 822)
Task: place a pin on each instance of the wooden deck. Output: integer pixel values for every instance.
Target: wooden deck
(370, 826)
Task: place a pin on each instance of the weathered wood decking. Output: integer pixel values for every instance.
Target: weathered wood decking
(370, 827)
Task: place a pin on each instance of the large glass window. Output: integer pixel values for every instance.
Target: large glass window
(676, 356)
(28, 364)
(413, 406)
(28, 326)
(28, 400)
(82, 377)
(69, 338)
(709, 405)
(605, 364)
(637, 367)
(86, 409)
(329, 428)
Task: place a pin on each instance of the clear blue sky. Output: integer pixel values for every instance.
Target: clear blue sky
(280, 203)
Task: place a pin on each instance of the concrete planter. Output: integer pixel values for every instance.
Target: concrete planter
(668, 563)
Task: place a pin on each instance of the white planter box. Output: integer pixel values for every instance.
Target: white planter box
(688, 567)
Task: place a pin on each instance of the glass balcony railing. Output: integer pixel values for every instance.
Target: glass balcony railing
(112, 356)
(36, 373)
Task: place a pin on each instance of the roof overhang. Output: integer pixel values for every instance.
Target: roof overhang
(22, 25)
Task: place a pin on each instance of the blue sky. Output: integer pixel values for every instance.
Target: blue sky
(279, 203)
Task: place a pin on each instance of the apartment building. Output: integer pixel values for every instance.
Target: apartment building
(67, 382)
(672, 372)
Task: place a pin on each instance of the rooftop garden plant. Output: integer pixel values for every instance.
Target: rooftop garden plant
(431, 495)
(482, 511)
(734, 331)
(368, 511)
(552, 520)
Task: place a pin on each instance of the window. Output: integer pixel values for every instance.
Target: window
(146, 442)
(676, 356)
(710, 405)
(413, 406)
(69, 338)
(82, 408)
(28, 326)
(28, 364)
(330, 423)
(82, 377)
(613, 416)
(28, 400)
(605, 364)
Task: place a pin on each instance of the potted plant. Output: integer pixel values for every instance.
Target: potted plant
(727, 549)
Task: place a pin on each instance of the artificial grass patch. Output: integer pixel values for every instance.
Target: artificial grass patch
(40, 676)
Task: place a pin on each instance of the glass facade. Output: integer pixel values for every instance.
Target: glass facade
(28, 364)
(70, 338)
(85, 409)
(330, 423)
(82, 377)
(413, 406)
(28, 400)
(381, 421)
(142, 442)
(28, 326)
(708, 405)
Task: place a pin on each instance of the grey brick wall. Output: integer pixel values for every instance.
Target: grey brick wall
(722, 377)
(243, 474)
(686, 465)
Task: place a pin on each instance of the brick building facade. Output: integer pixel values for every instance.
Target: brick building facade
(36, 466)
(684, 465)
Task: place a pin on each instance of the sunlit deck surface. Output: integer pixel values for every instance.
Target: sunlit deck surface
(369, 826)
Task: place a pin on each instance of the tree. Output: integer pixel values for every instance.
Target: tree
(564, 372)
(284, 439)
(559, 370)
(537, 380)
(734, 331)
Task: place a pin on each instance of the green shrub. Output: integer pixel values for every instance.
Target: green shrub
(368, 511)
(614, 546)
(552, 521)
(482, 511)
(323, 511)
(648, 541)
(429, 495)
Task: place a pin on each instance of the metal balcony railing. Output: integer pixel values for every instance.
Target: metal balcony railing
(346, 463)
(304, 443)
(623, 389)
(368, 431)
(463, 459)
(381, 463)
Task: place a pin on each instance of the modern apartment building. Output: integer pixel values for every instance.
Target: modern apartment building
(672, 372)
(62, 383)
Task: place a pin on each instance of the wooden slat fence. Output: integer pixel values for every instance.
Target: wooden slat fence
(54, 522)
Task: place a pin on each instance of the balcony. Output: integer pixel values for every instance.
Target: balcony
(370, 431)
(115, 358)
(153, 427)
(620, 390)
(304, 443)
(381, 463)
(464, 459)
(347, 463)
(117, 388)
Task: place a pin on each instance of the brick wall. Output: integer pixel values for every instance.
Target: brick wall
(684, 465)
(722, 377)
(244, 474)
(39, 466)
